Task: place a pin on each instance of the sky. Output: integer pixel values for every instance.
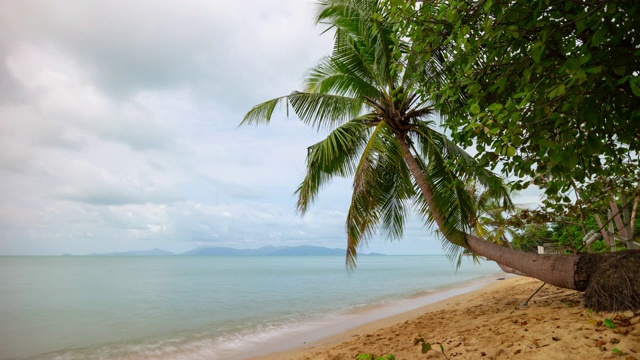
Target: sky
(119, 128)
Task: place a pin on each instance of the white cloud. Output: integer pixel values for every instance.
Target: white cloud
(118, 126)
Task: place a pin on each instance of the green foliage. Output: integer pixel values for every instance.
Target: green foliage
(531, 237)
(367, 356)
(550, 89)
(426, 346)
(609, 323)
(491, 223)
(569, 235)
(617, 351)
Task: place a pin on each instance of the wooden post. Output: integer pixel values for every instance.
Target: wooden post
(618, 219)
(612, 241)
(627, 221)
(605, 235)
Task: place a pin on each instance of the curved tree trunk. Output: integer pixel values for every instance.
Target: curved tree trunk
(611, 281)
(553, 269)
(511, 270)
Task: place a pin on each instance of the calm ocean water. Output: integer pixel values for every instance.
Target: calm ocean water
(200, 307)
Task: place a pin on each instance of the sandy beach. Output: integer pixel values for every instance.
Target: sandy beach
(489, 323)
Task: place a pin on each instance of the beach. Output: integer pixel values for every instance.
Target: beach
(214, 308)
(489, 323)
(294, 308)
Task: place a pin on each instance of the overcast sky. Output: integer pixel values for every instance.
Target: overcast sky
(119, 128)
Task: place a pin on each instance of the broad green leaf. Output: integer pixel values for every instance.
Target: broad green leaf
(635, 85)
(452, 15)
(593, 145)
(495, 106)
(572, 65)
(599, 36)
(536, 54)
(594, 70)
(585, 58)
(609, 323)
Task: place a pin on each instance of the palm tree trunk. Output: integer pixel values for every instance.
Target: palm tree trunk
(555, 270)
(558, 270)
(611, 282)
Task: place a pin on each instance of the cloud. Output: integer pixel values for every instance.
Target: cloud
(119, 126)
(222, 49)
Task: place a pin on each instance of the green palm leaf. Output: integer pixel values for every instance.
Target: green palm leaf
(342, 75)
(383, 190)
(360, 26)
(262, 112)
(336, 155)
(323, 111)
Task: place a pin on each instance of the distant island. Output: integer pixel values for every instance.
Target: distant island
(303, 250)
(152, 252)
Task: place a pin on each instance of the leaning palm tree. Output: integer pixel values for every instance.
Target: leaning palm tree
(366, 91)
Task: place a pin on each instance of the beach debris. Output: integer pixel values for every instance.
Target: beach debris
(600, 343)
(526, 302)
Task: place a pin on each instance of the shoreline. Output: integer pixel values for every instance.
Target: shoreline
(336, 328)
(488, 322)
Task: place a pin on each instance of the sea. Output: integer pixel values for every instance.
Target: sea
(179, 307)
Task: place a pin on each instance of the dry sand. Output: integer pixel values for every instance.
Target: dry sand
(490, 324)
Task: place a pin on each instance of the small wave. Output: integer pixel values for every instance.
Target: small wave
(195, 346)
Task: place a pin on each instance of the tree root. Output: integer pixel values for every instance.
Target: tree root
(613, 282)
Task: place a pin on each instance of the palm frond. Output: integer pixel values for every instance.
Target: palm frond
(344, 75)
(323, 111)
(382, 192)
(361, 30)
(366, 90)
(262, 112)
(394, 179)
(336, 155)
(462, 164)
(453, 202)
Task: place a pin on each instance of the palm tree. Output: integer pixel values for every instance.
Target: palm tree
(367, 92)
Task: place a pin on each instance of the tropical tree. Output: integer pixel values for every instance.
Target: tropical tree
(367, 91)
(548, 90)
